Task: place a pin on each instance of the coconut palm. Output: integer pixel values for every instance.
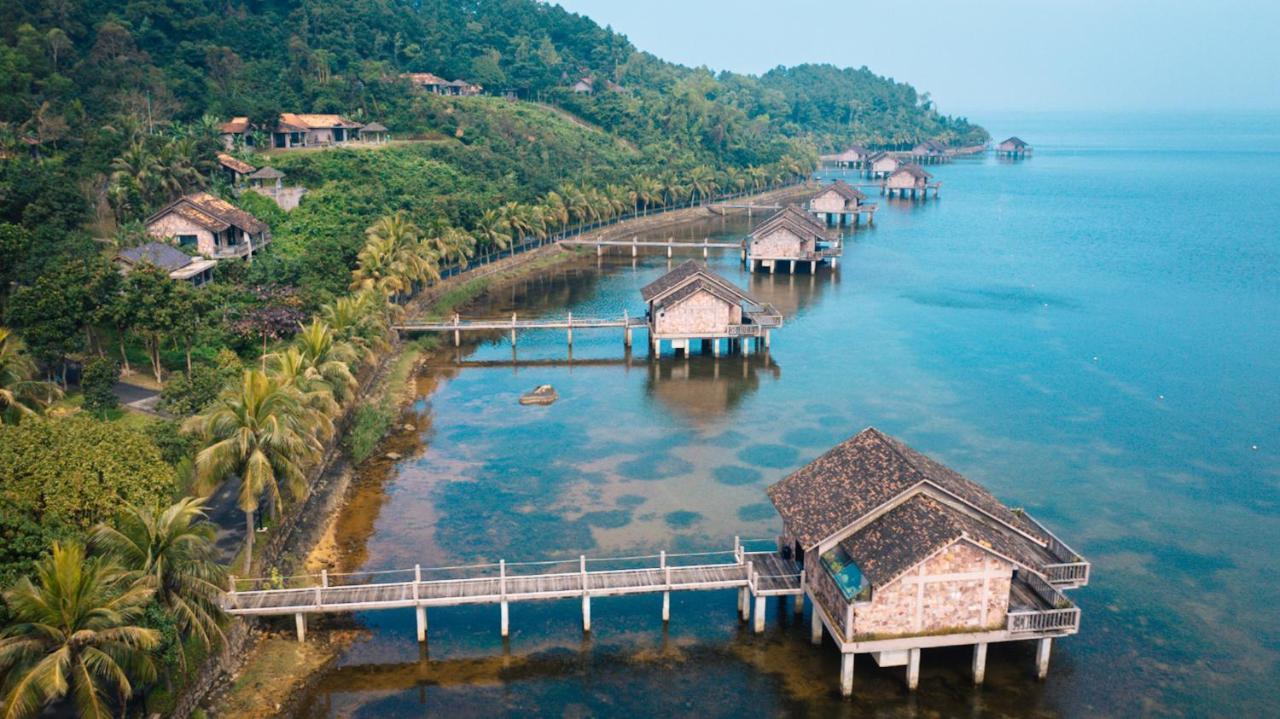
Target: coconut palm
(360, 320)
(517, 219)
(74, 635)
(259, 429)
(327, 358)
(646, 190)
(394, 257)
(555, 211)
(20, 395)
(291, 369)
(455, 246)
(701, 183)
(492, 231)
(171, 553)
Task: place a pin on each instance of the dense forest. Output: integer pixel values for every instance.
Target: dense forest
(111, 109)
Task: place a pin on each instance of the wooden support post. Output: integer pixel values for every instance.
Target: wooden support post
(300, 621)
(979, 662)
(913, 668)
(586, 596)
(759, 615)
(815, 623)
(846, 674)
(1042, 656)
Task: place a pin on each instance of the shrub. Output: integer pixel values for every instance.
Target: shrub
(99, 377)
(372, 422)
(186, 394)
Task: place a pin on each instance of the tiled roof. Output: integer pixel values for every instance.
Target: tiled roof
(315, 122)
(904, 536)
(699, 285)
(231, 163)
(915, 171)
(425, 78)
(860, 475)
(211, 212)
(845, 190)
(374, 127)
(166, 257)
(1015, 141)
(792, 218)
(267, 173)
(235, 126)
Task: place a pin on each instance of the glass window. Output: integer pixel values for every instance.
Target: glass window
(186, 240)
(846, 574)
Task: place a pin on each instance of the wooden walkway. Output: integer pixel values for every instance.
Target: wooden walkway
(759, 574)
(671, 245)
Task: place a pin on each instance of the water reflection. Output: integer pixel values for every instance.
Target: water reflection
(704, 390)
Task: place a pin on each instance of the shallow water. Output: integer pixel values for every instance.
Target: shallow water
(1091, 333)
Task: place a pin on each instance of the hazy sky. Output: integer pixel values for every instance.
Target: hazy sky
(976, 55)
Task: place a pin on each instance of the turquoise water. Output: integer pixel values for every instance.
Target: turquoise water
(1091, 333)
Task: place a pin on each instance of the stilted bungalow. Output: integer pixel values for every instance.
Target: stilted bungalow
(901, 553)
(930, 152)
(178, 264)
(376, 133)
(852, 157)
(881, 165)
(790, 235)
(841, 204)
(691, 304)
(1013, 147)
(236, 171)
(910, 181)
(214, 227)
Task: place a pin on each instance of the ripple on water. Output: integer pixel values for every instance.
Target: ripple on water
(774, 456)
(654, 466)
(682, 519)
(756, 512)
(736, 475)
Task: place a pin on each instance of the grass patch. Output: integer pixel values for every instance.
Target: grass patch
(371, 423)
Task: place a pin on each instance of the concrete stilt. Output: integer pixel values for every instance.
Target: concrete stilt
(715, 347)
(744, 604)
(1042, 657)
(813, 267)
(797, 604)
(913, 669)
(586, 612)
(766, 338)
(846, 674)
(300, 621)
(979, 662)
(815, 623)
(505, 619)
(759, 615)
(421, 615)
(666, 606)
(773, 266)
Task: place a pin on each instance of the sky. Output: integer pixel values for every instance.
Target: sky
(987, 55)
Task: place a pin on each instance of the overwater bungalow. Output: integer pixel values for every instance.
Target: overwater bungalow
(1013, 147)
(691, 304)
(881, 164)
(210, 225)
(930, 152)
(910, 181)
(852, 157)
(841, 204)
(793, 236)
(901, 553)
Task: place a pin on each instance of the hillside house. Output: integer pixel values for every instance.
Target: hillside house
(212, 226)
(793, 236)
(236, 171)
(436, 85)
(178, 264)
(236, 131)
(910, 181)
(1013, 147)
(691, 304)
(311, 130)
(584, 86)
(841, 204)
(901, 553)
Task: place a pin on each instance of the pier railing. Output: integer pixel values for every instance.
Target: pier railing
(1058, 614)
(1072, 570)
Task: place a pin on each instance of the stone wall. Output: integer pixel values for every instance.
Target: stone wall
(702, 314)
(960, 587)
(904, 181)
(781, 243)
(828, 595)
(173, 224)
(829, 201)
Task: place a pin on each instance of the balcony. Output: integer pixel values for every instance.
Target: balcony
(1036, 607)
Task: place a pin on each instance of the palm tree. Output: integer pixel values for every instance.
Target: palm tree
(701, 182)
(173, 554)
(291, 369)
(491, 230)
(517, 219)
(646, 190)
(455, 246)
(327, 358)
(394, 257)
(74, 635)
(20, 395)
(360, 320)
(555, 210)
(258, 429)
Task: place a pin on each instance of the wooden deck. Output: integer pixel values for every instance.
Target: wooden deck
(761, 573)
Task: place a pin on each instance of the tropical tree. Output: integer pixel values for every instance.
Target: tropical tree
(359, 319)
(555, 211)
(455, 246)
(291, 369)
(258, 429)
(20, 394)
(327, 358)
(74, 635)
(172, 553)
(394, 257)
(492, 230)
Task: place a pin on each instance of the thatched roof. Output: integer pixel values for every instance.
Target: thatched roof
(267, 173)
(845, 190)
(424, 78)
(860, 475)
(374, 127)
(212, 213)
(1015, 141)
(239, 167)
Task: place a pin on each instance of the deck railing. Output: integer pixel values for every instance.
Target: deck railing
(1049, 620)
(1073, 570)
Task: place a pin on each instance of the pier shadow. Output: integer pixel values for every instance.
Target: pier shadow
(791, 294)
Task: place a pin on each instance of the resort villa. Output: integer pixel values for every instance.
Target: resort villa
(233, 169)
(840, 203)
(910, 181)
(790, 235)
(901, 553)
(436, 85)
(691, 304)
(210, 225)
(930, 152)
(853, 156)
(881, 164)
(1013, 147)
(177, 263)
(301, 130)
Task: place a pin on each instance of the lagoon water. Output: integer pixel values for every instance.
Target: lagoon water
(1092, 333)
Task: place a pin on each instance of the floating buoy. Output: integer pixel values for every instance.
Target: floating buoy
(1255, 448)
(1095, 358)
(1160, 396)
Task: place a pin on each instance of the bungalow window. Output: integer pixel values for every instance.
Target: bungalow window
(846, 574)
(187, 240)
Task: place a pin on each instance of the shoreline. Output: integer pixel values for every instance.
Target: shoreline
(313, 540)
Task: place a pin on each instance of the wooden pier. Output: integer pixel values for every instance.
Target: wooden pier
(570, 323)
(671, 245)
(755, 575)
